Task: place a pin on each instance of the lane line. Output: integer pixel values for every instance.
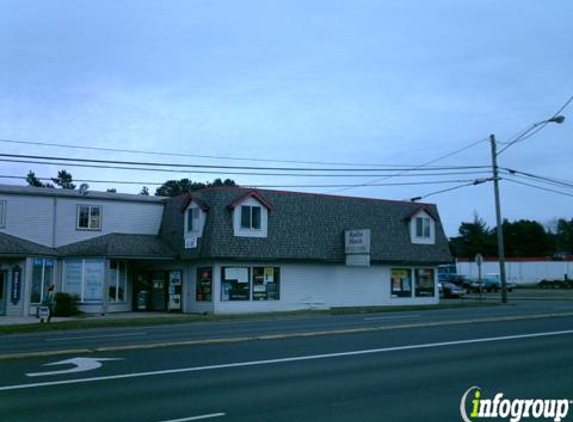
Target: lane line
(198, 418)
(95, 337)
(304, 334)
(391, 317)
(284, 360)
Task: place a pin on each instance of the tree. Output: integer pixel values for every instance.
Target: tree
(526, 238)
(474, 238)
(144, 191)
(33, 180)
(64, 180)
(178, 187)
(112, 190)
(564, 236)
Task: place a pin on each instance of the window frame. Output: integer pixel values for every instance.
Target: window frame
(90, 209)
(204, 290)
(423, 227)
(259, 276)
(83, 280)
(424, 292)
(117, 284)
(230, 284)
(251, 217)
(43, 272)
(402, 292)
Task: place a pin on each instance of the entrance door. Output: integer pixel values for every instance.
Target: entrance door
(3, 293)
(150, 291)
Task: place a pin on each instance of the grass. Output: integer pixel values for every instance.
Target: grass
(110, 321)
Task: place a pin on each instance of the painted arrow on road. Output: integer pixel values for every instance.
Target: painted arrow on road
(81, 365)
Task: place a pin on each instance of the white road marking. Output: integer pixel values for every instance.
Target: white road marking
(197, 418)
(391, 317)
(80, 365)
(95, 337)
(284, 360)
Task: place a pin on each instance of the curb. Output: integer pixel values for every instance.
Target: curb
(284, 336)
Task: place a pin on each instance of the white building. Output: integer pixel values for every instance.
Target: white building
(218, 250)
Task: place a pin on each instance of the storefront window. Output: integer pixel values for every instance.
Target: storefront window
(117, 281)
(204, 287)
(235, 284)
(401, 282)
(425, 285)
(85, 279)
(42, 278)
(266, 282)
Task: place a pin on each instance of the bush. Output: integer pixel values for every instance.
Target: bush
(65, 305)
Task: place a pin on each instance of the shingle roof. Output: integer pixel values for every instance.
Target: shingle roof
(116, 245)
(15, 246)
(305, 227)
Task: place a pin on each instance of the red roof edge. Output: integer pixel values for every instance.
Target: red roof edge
(189, 198)
(252, 194)
(420, 209)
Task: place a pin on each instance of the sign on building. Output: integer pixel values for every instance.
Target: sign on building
(357, 247)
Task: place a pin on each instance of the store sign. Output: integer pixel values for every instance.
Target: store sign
(357, 247)
(190, 242)
(358, 260)
(357, 241)
(16, 285)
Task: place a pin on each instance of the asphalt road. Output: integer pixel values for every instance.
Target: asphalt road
(417, 374)
(126, 337)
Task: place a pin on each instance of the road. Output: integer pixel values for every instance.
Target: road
(147, 336)
(409, 374)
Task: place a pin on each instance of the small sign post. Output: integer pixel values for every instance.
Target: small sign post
(479, 262)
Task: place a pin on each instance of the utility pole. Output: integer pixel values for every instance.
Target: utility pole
(499, 229)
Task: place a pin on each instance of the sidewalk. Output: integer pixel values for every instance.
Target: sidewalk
(29, 319)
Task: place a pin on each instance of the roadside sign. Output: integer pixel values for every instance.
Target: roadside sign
(43, 313)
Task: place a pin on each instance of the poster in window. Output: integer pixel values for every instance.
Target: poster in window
(269, 275)
(93, 276)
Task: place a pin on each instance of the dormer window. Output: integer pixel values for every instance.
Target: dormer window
(193, 216)
(422, 227)
(250, 217)
(250, 214)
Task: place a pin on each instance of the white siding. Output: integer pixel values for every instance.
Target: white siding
(312, 286)
(117, 217)
(32, 218)
(29, 217)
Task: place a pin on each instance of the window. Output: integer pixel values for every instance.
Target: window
(401, 282)
(117, 281)
(204, 285)
(193, 219)
(42, 278)
(2, 214)
(89, 217)
(250, 217)
(425, 284)
(423, 227)
(266, 282)
(235, 284)
(85, 279)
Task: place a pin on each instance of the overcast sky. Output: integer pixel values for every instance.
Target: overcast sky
(363, 81)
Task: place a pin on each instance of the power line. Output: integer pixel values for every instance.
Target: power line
(552, 182)
(471, 183)
(206, 166)
(416, 168)
(119, 182)
(183, 154)
(538, 187)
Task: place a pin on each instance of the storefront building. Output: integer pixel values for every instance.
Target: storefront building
(223, 250)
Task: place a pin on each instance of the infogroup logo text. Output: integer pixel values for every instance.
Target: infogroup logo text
(513, 409)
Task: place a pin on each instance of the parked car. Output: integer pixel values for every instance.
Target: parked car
(489, 285)
(450, 290)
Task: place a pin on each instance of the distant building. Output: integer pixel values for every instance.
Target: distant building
(220, 250)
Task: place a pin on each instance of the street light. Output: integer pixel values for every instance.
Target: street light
(495, 170)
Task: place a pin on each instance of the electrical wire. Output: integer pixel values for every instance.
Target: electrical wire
(419, 167)
(471, 183)
(537, 187)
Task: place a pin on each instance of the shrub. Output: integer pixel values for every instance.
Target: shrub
(65, 305)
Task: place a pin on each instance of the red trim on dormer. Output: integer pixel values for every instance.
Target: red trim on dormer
(421, 208)
(189, 198)
(252, 194)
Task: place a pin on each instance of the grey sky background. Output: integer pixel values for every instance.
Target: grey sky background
(368, 82)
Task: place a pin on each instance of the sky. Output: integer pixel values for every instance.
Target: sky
(358, 84)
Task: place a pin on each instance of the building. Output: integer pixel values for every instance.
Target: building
(220, 250)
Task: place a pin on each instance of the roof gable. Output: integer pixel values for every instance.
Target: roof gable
(252, 194)
(422, 208)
